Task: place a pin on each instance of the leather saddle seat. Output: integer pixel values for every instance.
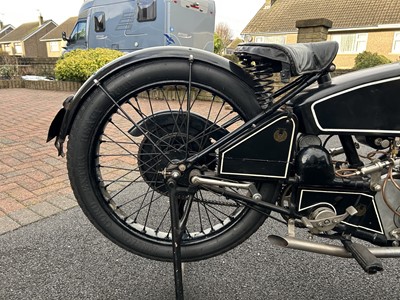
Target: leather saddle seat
(299, 59)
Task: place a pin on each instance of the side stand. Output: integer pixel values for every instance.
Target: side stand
(177, 233)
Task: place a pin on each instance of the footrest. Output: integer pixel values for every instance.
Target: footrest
(369, 262)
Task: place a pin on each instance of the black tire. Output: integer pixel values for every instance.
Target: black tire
(115, 170)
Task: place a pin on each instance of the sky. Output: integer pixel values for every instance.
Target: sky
(236, 14)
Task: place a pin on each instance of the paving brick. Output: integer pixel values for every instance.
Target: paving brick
(19, 171)
(7, 224)
(67, 191)
(20, 193)
(27, 162)
(32, 201)
(19, 155)
(25, 216)
(59, 179)
(25, 181)
(8, 205)
(54, 188)
(8, 186)
(6, 141)
(39, 175)
(45, 209)
(52, 161)
(63, 202)
(34, 145)
(46, 168)
(10, 161)
(61, 172)
(5, 168)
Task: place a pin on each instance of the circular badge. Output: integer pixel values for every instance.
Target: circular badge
(280, 135)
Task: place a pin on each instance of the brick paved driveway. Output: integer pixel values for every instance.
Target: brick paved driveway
(33, 180)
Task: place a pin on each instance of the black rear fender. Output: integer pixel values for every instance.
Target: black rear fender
(60, 129)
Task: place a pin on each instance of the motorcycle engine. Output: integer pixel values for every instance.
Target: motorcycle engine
(313, 162)
(376, 142)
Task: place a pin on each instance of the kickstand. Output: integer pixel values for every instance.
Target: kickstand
(177, 233)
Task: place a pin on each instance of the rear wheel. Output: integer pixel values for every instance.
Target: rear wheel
(123, 139)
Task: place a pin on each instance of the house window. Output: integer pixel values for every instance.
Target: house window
(147, 10)
(99, 22)
(396, 43)
(54, 47)
(275, 39)
(7, 48)
(351, 43)
(272, 39)
(18, 48)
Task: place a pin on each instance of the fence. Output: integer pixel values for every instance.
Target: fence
(27, 65)
(36, 66)
(41, 85)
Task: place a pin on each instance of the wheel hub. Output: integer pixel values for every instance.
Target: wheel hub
(176, 147)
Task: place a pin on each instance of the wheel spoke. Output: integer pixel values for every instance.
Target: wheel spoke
(130, 166)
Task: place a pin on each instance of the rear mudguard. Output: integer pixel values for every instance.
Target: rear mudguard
(71, 106)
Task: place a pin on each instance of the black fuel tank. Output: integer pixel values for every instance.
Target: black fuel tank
(363, 102)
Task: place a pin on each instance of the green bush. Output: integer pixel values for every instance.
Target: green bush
(367, 59)
(79, 65)
(218, 44)
(7, 71)
(8, 65)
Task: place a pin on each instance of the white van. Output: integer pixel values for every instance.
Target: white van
(129, 25)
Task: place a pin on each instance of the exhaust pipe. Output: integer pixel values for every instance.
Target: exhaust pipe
(333, 250)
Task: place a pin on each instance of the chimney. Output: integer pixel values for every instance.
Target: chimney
(40, 20)
(1, 25)
(269, 3)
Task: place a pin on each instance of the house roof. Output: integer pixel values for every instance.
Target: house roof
(6, 29)
(8, 26)
(345, 14)
(235, 43)
(22, 32)
(56, 33)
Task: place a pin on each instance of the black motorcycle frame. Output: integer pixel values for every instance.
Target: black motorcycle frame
(64, 119)
(290, 113)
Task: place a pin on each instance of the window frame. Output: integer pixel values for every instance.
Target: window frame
(7, 48)
(141, 9)
(54, 46)
(18, 48)
(82, 25)
(99, 19)
(396, 41)
(355, 47)
(271, 39)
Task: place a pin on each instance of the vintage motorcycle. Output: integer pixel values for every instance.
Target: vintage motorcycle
(177, 154)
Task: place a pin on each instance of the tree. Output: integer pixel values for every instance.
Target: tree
(225, 33)
(218, 44)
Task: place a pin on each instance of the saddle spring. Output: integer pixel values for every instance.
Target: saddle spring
(262, 73)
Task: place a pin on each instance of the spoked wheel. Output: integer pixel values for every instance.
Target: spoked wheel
(131, 129)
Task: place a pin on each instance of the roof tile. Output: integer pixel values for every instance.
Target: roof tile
(282, 16)
(66, 26)
(19, 33)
